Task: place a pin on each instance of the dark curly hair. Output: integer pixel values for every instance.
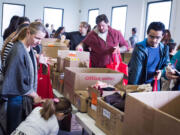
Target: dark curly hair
(101, 18)
(157, 26)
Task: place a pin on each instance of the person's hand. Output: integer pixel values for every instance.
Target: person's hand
(116, 49)
(170, 72)
(37, 100)
(79, 47)
(158, 74)
(171, 75)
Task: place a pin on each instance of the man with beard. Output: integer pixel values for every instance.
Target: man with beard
(102, 42)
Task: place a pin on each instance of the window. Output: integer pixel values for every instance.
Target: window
(92, 14)
(9, 10)
(53, 16)
(118, 18)
(159, 11)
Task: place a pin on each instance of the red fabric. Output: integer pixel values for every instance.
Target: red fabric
(155, 87)
(119, 66)
(44, 88)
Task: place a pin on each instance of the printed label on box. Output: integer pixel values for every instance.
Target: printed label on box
(93, 107)
(106, 113)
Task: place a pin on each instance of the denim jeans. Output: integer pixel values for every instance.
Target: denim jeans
(14, 113)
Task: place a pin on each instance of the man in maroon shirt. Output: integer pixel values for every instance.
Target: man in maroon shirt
(102, 42)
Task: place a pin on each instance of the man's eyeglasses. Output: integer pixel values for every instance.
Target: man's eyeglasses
(155, 37)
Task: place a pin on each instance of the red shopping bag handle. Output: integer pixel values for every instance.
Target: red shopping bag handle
(117, 58)
(155, 87)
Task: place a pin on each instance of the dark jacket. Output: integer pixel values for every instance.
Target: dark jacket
(75, 38)
(138, 63)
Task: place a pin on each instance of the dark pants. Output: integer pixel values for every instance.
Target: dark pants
(14, 113)
(65, 124)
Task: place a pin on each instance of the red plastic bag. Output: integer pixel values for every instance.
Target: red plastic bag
(119, 66)
(44, 88)
(155, 87)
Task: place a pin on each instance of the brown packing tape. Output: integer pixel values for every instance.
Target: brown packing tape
(81, 98)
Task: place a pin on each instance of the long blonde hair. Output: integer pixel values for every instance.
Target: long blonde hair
(34, 27)
(87, 26)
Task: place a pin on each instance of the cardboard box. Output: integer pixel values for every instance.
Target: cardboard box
(75, 62)
(60, 59)
(92, 110)
(50, 46)
(81, 78)
(109, 118)
(152, 113)
(81, 100)
(53, 67)
(82, 57)
(134, 88)
(69, 93)
(54, 42)
(60, 85)
(58, 81)
(54, 80)
(52, 51)
(95, 93)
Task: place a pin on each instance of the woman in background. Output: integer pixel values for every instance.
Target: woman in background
(175, 61)
(60, 31)
(8, 44)
(172, 49)
(12, 27)
(167, 37)
(77, 36)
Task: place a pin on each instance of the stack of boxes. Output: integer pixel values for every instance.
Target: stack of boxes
(150, 113)
(50, 46)
(67, 58)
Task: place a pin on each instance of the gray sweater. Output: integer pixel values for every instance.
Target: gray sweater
(20, 76)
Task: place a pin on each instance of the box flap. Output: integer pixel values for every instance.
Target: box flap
(165, 101)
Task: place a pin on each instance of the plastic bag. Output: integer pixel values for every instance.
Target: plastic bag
(119, 66)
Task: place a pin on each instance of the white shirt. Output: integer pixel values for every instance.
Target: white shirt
(101, 35)
(37, 125)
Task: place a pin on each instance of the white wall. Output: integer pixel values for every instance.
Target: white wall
(136, 14)
(77, 10)
(34, 10)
